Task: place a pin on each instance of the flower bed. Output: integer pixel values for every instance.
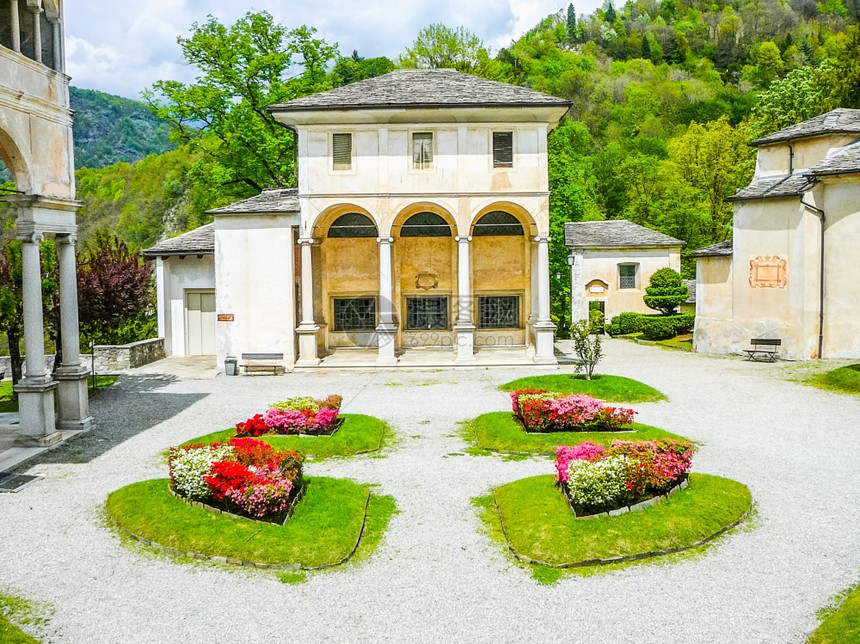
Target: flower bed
(598, 479)
(296, 415)
(246, 477)
(546, 411)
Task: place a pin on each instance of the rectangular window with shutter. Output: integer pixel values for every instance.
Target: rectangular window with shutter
(422, 150)
(503, 149)
(341, 144)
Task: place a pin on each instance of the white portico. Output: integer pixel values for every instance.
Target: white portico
(420, 222)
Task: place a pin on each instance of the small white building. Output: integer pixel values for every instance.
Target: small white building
(786, 274)
(611, 264)
(420, 221)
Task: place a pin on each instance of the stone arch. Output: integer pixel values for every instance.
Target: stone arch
(52, 9)
(16, 161)
(520, 213)
(319, 227)
(423, 206)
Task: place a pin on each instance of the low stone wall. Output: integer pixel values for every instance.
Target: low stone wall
(108, 358)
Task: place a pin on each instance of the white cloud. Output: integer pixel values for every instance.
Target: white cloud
(123, 48)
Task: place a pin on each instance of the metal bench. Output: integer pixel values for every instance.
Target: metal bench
(763, 349)
(263, 362)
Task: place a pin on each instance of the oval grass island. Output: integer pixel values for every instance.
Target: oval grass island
(359, 434)
(332, 521)
(533, 520)
(501, 432)
(617, 389)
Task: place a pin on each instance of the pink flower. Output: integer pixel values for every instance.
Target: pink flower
(586, 451)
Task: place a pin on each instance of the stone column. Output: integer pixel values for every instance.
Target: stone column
(57, 42)
(308, 328)
(578, 304)
(73, 412)
(386, 332)
(37, 34)
(15, 21)
(544, 328)
(465, 326)
(36, 390)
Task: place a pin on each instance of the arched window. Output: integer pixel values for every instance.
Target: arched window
(353, 224)
(498, 223)
(425, 224)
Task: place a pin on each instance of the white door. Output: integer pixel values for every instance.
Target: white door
(200, 323)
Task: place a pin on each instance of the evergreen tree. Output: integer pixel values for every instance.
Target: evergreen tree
(571, 24)
(610, 12)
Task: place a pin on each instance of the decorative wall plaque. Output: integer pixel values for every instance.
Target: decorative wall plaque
(597, 288)
(768, 271)
(225, 317)
(426, 281)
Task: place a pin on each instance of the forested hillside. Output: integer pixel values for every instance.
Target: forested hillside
(665, 97)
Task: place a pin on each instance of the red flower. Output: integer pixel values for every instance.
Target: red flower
(629, 485)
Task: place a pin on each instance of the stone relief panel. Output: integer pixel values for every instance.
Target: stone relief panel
(596, 288)
(768, 271)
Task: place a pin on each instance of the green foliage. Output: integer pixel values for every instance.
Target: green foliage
(586, 344)
(628, 322)
(664, 327)
(665, 292)
(438, 46)
(355, 68)
(109, 129)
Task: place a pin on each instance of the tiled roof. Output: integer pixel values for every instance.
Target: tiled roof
(840, 121)
(773, 188)
(415, 88)
(269, 201)
(723, 249)
(844, 161)
(614, 232)
(200, 241)
(691, 288)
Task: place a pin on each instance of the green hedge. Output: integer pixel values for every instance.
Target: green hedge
(652, 327)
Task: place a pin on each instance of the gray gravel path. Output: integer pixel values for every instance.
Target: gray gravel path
(436, 577)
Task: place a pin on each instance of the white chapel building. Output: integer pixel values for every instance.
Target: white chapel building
(420, 222)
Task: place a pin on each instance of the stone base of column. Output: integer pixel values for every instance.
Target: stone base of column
(73, 412)
(465, 344)
(36, 412)
(386, 334)
(545, 343)
(307, 345)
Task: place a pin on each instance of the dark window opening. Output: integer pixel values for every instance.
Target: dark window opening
(353, 224)
(503, 149)
(430, 313)
(627, 276)
(499, 312)
(425, 224)
(498, 223)
(355, 314)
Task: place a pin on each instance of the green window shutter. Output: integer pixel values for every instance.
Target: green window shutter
(341, 144)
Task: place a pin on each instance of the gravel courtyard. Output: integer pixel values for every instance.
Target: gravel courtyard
(436, 577)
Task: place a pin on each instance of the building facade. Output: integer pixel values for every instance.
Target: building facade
(611, 264)
(36, 147)
(786, 272)
(420, 221)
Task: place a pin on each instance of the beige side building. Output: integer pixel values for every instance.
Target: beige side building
(786, 274)
(420, 222)
(611, 264)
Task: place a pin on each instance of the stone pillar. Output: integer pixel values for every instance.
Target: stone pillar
(465, 326)
(57, 42)
(15, 21)
(308, 328)
(73, 412)
(37, 34)
(386, 332)
(578, 304)
(36, 390)
(544, 328)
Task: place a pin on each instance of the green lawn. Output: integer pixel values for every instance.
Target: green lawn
(680, 343)
(359, 434)
(11, 634)
(499, 431)
(539, 525)
(610, 388)
(323, 531)
(843, 380)
(14, 609)
(9, 404)
(840, 625)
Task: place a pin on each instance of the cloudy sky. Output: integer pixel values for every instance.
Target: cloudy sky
(123, 47)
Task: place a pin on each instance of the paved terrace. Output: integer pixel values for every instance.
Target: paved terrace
(436, 576)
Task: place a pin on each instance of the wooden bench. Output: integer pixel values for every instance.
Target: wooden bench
(763, 350)
(263, 362)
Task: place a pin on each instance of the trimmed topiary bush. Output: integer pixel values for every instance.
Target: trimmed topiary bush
(666, 292)
(628, 322)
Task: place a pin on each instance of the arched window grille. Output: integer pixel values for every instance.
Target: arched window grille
(498, 223)
(425, 224)
(353, 224)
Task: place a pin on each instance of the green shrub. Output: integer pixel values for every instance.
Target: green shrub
(663, 327)
(613, 329)
(628, 322)
(666, 292)
(597, 320)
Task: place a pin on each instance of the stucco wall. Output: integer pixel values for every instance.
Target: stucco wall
(775, 159)
(349, 268)
(602, 265)
(176, 276)
(713, 331)
(256, 285)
